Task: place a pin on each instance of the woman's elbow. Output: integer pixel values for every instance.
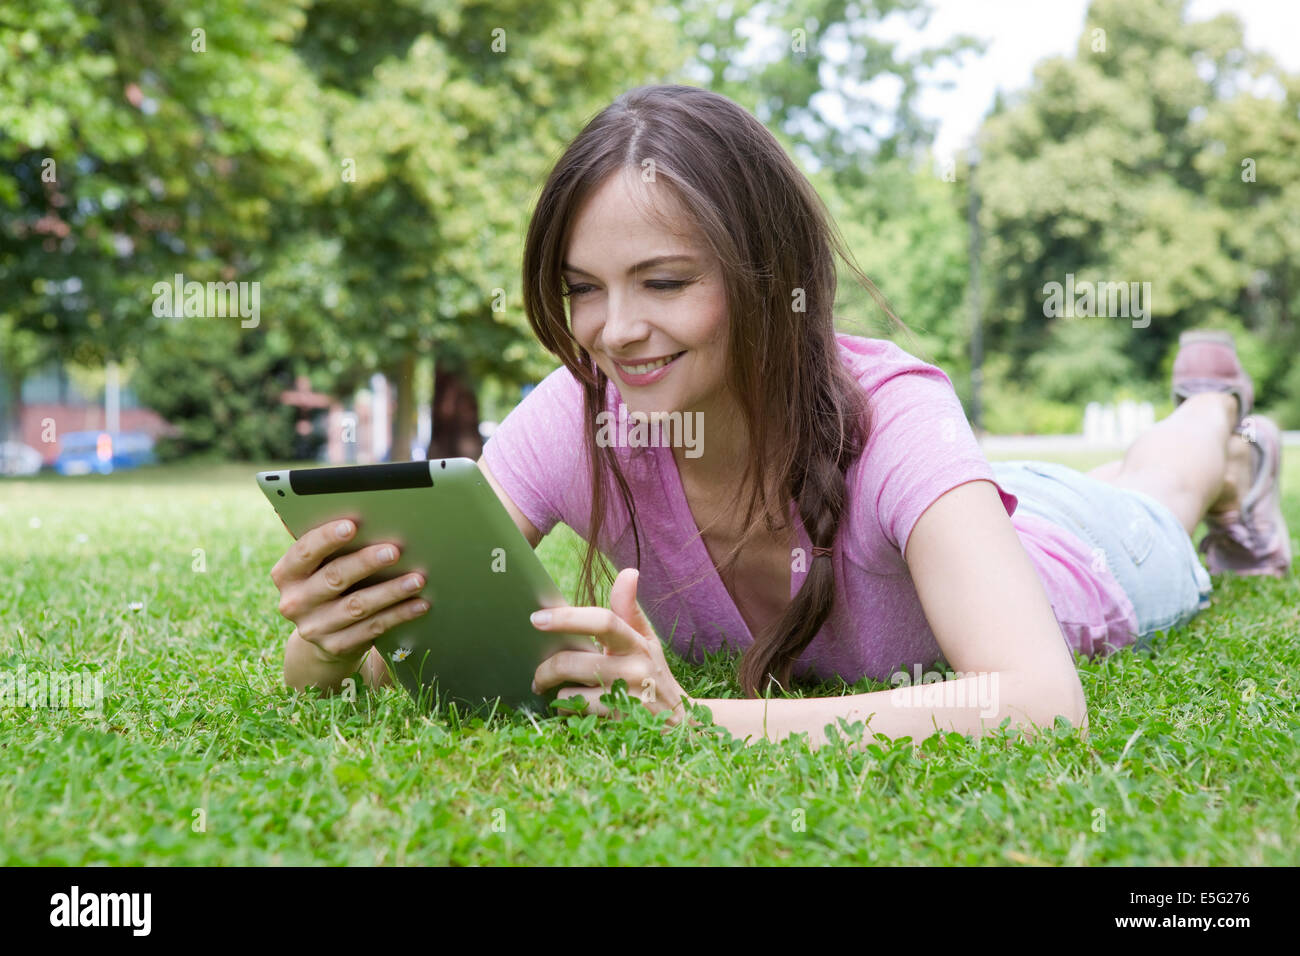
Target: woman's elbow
(1070, 703)
(1077, 714)
(1041, 700)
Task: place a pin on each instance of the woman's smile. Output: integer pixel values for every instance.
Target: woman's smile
(646, 372)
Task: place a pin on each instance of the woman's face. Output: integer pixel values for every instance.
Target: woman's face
(630, 312)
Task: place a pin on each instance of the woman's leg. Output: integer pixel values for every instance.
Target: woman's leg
(1107, 471)
(1191, 462)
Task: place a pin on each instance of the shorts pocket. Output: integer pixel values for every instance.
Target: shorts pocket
(1139, 532)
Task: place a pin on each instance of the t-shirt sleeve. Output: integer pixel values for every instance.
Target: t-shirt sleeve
(536, 453)
(920, 446)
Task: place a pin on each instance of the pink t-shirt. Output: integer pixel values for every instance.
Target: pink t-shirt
(920, 446)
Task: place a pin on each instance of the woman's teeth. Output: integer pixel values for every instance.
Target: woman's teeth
(650, 367)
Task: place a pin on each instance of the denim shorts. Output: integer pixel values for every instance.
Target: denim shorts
(1144, 544)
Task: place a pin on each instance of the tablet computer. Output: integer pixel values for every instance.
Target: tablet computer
(475, 644)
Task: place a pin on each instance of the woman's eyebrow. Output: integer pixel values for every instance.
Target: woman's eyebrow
(647, 264)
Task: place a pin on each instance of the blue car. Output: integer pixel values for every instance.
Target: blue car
(81, 453)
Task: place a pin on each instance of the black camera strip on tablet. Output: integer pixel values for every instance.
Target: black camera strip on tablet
(381, 477)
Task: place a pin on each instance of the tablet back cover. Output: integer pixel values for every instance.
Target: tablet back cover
(482, 577)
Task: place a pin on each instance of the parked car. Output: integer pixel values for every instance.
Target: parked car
(19, 459)
(97, 451)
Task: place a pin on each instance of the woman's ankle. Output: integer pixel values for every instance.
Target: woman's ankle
(1226, 405)
(1238, 475)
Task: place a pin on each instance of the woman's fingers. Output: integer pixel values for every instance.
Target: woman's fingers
(306, 554)
(588, 668)
(344, 612)
(622, 601)
(591, 695)
(631, 653)
(351, 641)
(325, 588)
(615, 634)
(300, 598)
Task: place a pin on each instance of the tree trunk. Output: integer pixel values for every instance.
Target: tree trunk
(11, 427)
(402, 374)
(455, 416)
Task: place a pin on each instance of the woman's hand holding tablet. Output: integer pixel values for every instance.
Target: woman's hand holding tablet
(341, 629)
(455, 541)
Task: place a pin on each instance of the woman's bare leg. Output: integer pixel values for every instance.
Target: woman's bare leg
(1107, 471)
(1191, 462)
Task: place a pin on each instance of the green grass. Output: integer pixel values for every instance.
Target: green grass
(1191, 758)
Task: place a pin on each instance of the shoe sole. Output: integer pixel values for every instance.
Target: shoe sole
(1186, 388)
(1268, 473)
(1207, 335)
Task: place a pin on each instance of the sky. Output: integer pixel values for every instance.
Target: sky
(1022, 32)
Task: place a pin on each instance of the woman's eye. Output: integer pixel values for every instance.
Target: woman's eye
(661, 285)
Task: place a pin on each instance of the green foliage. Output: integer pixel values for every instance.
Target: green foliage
(126, 155)
(1127, 163)
(1288, 410)
(1083, 360)
(915, 254)
(220, 387)
(1011, 408)
(802, 55)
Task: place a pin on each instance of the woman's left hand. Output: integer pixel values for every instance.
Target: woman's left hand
(629, 649)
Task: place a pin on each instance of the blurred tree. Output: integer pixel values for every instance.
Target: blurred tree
(373, 167)
(785, 60)
(137, 141)
(221, 390)
(1125, 164)
(916, 254)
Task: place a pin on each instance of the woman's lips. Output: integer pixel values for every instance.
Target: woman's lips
(645, 378)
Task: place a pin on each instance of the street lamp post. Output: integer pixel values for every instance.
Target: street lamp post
(976, 334)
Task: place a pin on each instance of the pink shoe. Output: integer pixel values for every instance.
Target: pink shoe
(1253, 539)
(1207, 362)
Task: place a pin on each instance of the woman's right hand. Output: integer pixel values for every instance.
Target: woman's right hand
(342, 628)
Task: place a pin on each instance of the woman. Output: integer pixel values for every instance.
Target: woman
(839, 517)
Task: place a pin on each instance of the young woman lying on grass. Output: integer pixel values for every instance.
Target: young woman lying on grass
(841, 519)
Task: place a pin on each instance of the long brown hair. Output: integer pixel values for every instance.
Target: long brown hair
(807, 418)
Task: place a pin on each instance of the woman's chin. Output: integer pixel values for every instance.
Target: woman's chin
(647, 411)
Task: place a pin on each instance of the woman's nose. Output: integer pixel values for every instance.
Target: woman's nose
(624, 322)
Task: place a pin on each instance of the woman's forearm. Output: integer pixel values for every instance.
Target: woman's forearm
(969, 705)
